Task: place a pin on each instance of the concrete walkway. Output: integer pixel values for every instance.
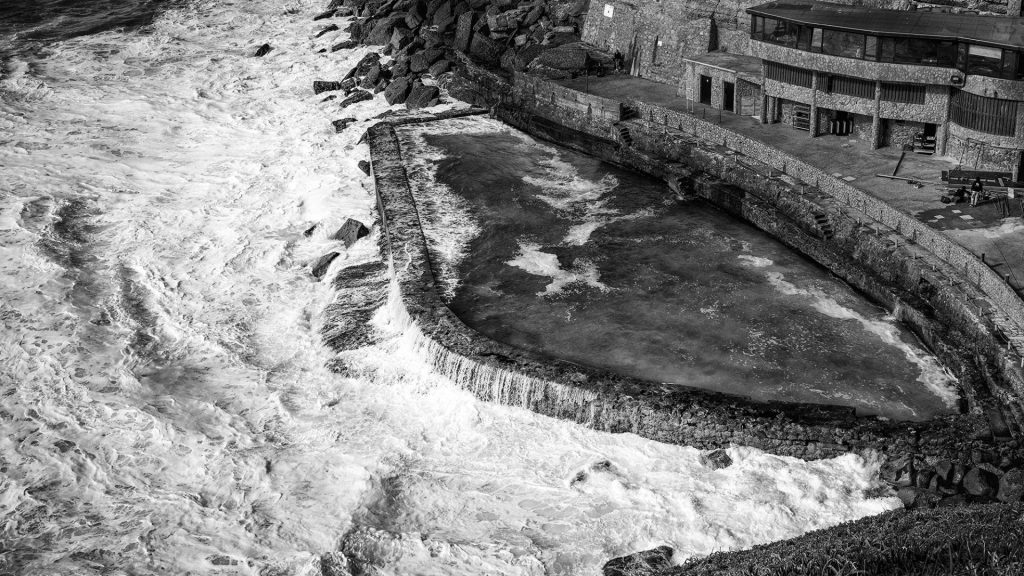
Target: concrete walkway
(981, 229)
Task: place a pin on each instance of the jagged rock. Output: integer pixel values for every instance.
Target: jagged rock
(1011, 486)
(327, 29)
(322, 15)
(351, 231)
(439, 67)
(431, 38)
(329, 98)
(904, 475)
(348, 84)
(509, 20)
(340, 125)
(464, 31)
(356, 96)
(646, 563)
(380, 86)
(263, 50)
(533, 15)
(421, 96)
(355, 29)
(326, 86)
(381, 31)
(413, 20)
(365, 63)
(400, 38)
(981, 483)
(483, 48)
(334, 564)
(510, 60)
(364, 166)
(443, 13)
(716, 459)
(344, 45)
(530, 53)
(421, 61)
(400, 67)
(322, 264)
(309, 231)
(372, 75)
(397, 91)
(944, 471)
(908, 495)
(924, 477)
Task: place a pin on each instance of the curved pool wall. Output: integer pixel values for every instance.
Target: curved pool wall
(606, 401)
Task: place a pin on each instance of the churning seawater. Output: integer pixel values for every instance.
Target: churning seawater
(166, 406)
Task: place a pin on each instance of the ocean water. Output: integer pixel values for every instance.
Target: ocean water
(167, 403)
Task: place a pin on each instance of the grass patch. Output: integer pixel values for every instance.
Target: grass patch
(986, 540)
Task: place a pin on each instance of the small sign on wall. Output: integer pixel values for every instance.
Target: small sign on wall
(609, 10)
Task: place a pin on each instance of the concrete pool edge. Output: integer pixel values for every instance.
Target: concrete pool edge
(605, 401)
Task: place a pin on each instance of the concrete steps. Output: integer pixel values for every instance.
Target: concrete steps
(824, 225)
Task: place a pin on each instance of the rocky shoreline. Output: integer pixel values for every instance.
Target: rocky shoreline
(472, 48)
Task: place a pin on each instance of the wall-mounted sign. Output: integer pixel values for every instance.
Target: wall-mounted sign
(609, 10)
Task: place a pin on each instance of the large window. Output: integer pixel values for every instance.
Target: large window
(988, 115)
(836, 43)
(970, 58)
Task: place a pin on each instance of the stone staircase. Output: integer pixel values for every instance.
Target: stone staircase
(624, 136)
(821, 219)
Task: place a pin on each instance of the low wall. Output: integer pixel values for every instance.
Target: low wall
(609, 402)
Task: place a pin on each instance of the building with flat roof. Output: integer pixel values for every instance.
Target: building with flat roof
(948, 83)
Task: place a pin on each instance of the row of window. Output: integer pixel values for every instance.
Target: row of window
(835, 84)
(970, 58)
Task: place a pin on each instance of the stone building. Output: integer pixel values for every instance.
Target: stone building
(951, 82)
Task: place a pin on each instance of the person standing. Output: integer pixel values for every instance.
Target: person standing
(976, 190)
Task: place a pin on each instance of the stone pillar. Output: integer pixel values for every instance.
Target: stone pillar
(763, 114)
(1015, 172)
(876, 118)
(813, 131)
(773, 109)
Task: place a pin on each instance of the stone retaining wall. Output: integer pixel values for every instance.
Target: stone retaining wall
(609, 402)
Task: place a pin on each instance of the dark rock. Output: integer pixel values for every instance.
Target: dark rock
(263, 50)
(924, 477)
(351, 231)
(981, 483)
(401, 38)
(364, 166)
(322, 264)
(509, 20)
(363, 66)
(323, 15)
(380, 86)
(944, 471)
(464, 31)
(326, 86)
(356, 96)
(348, 84)
(1011, 486)
(431, 38)
(716, 459)
(533, 15)
(372, 75)
(381, 32)
(327, 29)
(329, 98)
(485, 49)
(413, 20)
(646, 563)
(309, 231)
(908, 495)
(400, 67)
(340, 125)
(422, 60)
(397, 91)
(344, 45)
(439, 67)
(64, 445)
(904, 475)
(959, 471)
(421, 96)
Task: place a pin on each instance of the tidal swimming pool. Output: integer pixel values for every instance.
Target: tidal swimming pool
(556, 252)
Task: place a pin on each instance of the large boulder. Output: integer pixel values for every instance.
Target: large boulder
(464, 31)
(1011, 486)
(263, 50)
(397, 91)
(508, 20)
(382, 29)
(421, 61)
(716, 459)
(363, 66)
(327, 29)
(439, 67)
(351, 231)
(421, 96)
(344, 45)
(981, 483)
(356, 96)
(326, 86)
(483, 48)
(646, 563)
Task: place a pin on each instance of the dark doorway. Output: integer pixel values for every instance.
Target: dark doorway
(728, 96)
(705, 89)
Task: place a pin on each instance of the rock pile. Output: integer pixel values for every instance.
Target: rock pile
(985, 477)
(422, 38)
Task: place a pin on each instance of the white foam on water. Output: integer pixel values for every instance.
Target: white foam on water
(532, 260)
(935, 377)
(167, 406)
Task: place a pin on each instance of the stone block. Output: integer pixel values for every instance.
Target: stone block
(350, 231)
(380, 34)
(325, 86)
(342, 124)
(439, 67)
(421, 96)
(485, 49)
(464, 31)
(356, 96)
(1011, 486)
(981, 483)
(421, 61)
(397, 91)
(322, 264)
